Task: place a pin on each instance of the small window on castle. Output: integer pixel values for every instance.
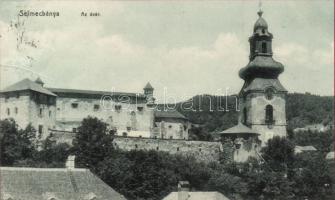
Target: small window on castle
(16, 110)
(157, 148)
(40, 114)
(124, 134)
(264, 47)
(177, 148)
(140, 109)
(96, 107)
(128, 128)
(199, 149)
(170, 126)
(171, 137)
(74, 105)
(136, 146)
(50, 113)
(263, 30)
(8, 111)
(18, 95)
(118, 107)
(185, 127)
(40, 129)
(6, 98)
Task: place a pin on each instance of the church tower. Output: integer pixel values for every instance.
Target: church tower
(262, 97)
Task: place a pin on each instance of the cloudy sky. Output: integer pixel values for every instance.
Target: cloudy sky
(189, 47)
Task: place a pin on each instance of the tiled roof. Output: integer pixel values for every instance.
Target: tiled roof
(27, 84)
(239, 129)
(198, 196)
(61, 184)
(93, 92)
(169, 114)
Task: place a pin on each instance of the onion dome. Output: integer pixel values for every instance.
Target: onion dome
(260, 23)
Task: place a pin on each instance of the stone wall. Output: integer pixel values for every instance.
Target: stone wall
(203, 151)
(24, 110)
(129, 118)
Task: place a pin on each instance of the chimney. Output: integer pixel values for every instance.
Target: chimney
(70, 162)
(183, 189)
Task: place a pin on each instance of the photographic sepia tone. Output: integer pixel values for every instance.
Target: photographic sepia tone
(166, 100)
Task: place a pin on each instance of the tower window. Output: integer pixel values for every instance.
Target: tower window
(74, 105)
(41, 112)
(40, 129)
(269, 114)
(16, 110)
(96, 107)
(245, 116)
(50, 113)
(8, 111)
(264, 47)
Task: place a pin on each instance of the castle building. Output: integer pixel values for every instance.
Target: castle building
(262, 97)
(60, 111)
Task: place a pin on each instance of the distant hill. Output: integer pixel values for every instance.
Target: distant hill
(301, 110)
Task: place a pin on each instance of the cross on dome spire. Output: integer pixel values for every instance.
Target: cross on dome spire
(260, 12)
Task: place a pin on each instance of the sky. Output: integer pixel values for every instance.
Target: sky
(183, 48)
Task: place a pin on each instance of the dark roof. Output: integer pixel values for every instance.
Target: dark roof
(262, 83)
(93, 92)
(148, 86)
(262, 66)
(61, 184)
(169, 114)
(239, 129)
(27, 84)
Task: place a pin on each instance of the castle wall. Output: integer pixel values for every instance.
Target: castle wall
(24, 110)
(21, 103)
(131, 119)
(203, 151)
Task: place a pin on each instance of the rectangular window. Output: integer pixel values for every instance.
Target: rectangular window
(96, 107)
(40, 114)
(50, 114)
(16, 110)
(40, 129)
(74, 105)
(128, 128)
(8, 111)
(140, 108)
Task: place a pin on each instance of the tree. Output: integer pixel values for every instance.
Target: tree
(92, 143)
(279, 153)
(15, 144)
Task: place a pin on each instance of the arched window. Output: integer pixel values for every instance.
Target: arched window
(245, 116)
(269, 114)
(264, 47)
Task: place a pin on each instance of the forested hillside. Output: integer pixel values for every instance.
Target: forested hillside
(301, 110)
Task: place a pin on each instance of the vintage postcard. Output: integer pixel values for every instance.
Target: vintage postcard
(167, 100)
